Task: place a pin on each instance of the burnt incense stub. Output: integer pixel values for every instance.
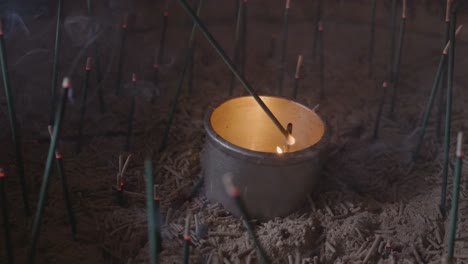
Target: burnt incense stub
(274, 178)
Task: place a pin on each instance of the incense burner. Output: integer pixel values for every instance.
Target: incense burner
(274, 178)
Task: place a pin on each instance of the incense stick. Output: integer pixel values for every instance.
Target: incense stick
(237, 44)
(397, 60)
(234, 192)
(289, 139)
(83, 104)
(441, 69)
(393, 23)
(283, 47)
(150, 210)
(297, 76)
(16, 135)
(97, 61)
(179, 85)
(243, 56)
(316, 32)
(191, 48)
(162, 40)
(48, 169)
(187, 238)
(455, 196)
(64, 182)
(158, 222)
(55, 66)
(321, 60)
(6, 219)
(372, 38)
(123, 40)
(131, 114)
(380, 110)
(448, 114)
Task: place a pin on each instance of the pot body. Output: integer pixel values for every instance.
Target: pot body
(271, 184)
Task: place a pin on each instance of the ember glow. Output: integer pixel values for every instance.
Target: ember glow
(279, 150)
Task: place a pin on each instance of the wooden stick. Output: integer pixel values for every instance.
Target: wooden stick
(6, 219)
(16, 135)
(448, 113)
(120, 64)
(372, 38)
(397, 60)
(455, 194)
(380, 110)
(150, 210)
(48, 169)
(297, 75)
(55, 65)
(83, 104)
(131, 114)
(284, 46)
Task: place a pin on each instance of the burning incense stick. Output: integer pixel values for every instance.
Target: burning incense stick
(191, 48)
(162, 40)
(441, 69)
(6, 219)
(284, 46)
(456, 194)
(444, 77)
(97, 61)
(290, 140)
(120, 63)
(120, 180)
(237, 44)
(58, 31)
(243, 53)
(83, 104)
(234, 192)
(179, 85)
(379, 111)
(150, 210)
(321, 59)
(372, 38)
(48, 169)
(16, 136)
(397, 60)
(131, 114)
(393, 23)
(187, 238)
(448, 116)
(63, 180)
(297, 76)
(316, 23)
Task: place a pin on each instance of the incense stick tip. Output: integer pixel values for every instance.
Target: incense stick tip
(166, 13)
(66, 83)
(134, 77)
(89, 61)
(288, 4)
(384, 84)
(2, 173)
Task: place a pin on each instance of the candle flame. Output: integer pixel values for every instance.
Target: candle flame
(279, 150)
(290, 140)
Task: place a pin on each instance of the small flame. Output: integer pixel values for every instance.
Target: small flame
(279, 150)
(290, 140)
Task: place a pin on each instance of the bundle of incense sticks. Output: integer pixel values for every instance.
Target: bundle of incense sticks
(6, 219)
(48, 169)
(13, 124)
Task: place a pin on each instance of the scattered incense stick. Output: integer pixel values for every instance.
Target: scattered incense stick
(55, 66)
(321, 59)
(380, 110)
(48, 169)
(444, 77)
(297, 76)
(234, 192)
(441, 69)
(179, 84)
(97, 61)
(316, 23)
(284, 46)
(131, 114)
(83, 104)
(448, 113)
(455, 196)
(397, 60)
(120, 64)
(372, 38)
(150, 210)
(16, 135)
(393, 27)
(6, 219)
(65, 189)
(237, 44)
(187, 238)
(289, 138)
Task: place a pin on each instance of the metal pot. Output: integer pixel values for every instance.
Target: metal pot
(243, 141)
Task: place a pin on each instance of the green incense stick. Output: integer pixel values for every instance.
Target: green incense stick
(6, 219)
(16, 135)
(83, 104)
(448, 117)
(123, 40)
(380, 110)
(150, 210)
(47, 171)
(284, 46)
(372, 38)
(55, 66)
(456, 194)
